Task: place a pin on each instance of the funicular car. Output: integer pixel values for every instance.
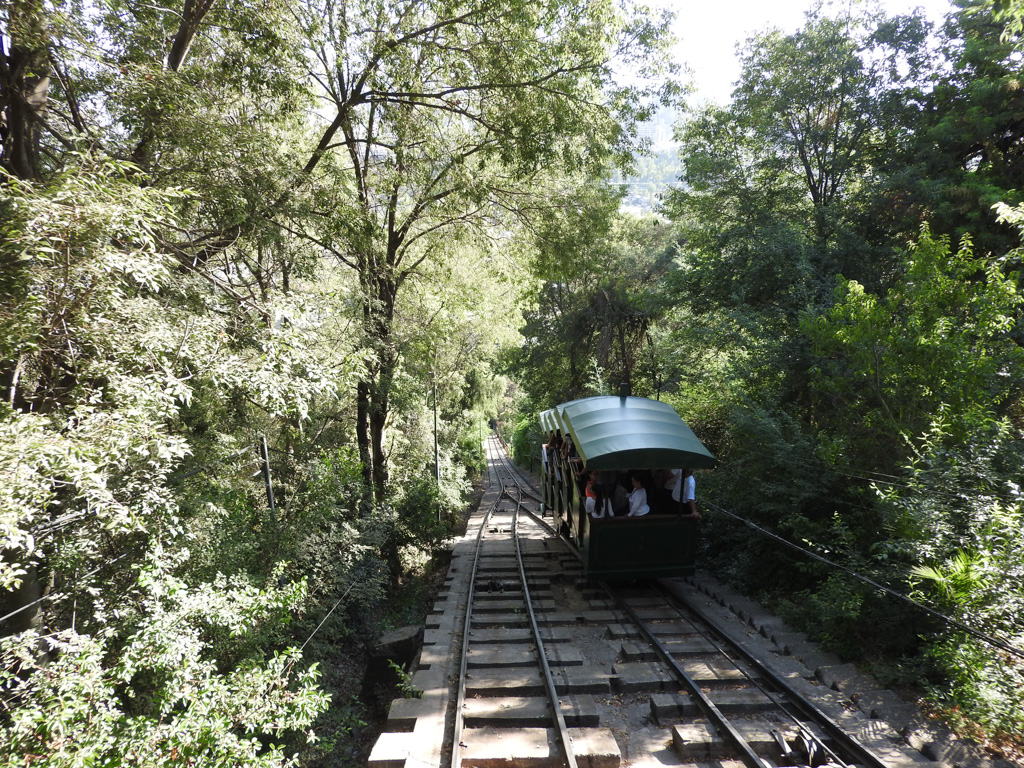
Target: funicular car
(617, 436)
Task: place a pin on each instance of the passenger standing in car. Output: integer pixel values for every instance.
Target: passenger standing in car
(575, 463)
(554, 452)
(670, 480)
(689, 493)
(605, 486)
(638, 498)
(619, 495)
(659, 492)
(590, 505)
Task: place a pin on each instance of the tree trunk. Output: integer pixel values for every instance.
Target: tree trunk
(363, 431)
(379, 290)
(191, 19)
(24, 88)
(23, 600)
(379, 411)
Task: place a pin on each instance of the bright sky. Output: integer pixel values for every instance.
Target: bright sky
(709, 31)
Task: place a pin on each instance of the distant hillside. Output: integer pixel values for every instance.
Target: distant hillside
(655, 173)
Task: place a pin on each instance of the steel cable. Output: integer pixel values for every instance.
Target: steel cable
(993, 641)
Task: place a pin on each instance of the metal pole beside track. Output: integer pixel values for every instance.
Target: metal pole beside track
(437, 464)
(265, 466)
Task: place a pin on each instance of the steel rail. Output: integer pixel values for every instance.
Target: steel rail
(549, 680)
(537, 518)
(806, 708)
(861, 755)
(513, 470)
(749, 758)
(565, 741)
(772, 694)
(747, 755)
(460, 702)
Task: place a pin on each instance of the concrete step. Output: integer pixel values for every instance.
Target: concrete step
(537, 748)
(528, 712)
(521, 655)
(670, 707)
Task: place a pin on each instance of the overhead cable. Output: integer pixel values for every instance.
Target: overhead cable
(993, 641)
(63, 595)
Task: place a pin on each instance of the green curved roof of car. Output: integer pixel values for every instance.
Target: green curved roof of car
(628, 433)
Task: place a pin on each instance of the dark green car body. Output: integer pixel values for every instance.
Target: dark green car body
(622, 434)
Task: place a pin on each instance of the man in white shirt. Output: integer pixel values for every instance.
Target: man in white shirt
(689, 493)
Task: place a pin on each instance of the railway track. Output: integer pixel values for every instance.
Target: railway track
(525, 663)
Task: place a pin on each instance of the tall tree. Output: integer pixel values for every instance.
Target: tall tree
(433, 117)
(776, 180)
(968, 152)
(24, 86)
(586, 329)
(444, 115)
(937, 346)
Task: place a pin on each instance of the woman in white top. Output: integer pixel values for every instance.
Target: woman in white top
(638, 498)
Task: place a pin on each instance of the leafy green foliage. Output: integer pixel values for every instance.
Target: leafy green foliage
(471, 454)
(432, 147)
(776, 183)
(963, 521)
(587, 328)
(426, 516)
(157, 697)
(969, 157)
(980, 585)
(99, 400)
(938, 342)
(262, 268)
(980, 688)
(875, 421)
(271, 266)
(527, 438)
(72, 287)
(185, 655)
